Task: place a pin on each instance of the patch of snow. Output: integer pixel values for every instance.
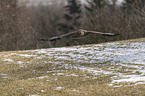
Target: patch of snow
(8, 60)
(73, 75)
(10, 54)
(75, 90)
(3, 74)
(64, 49)
(94, 78)
(59, 88)
(88, 77)
(5, 77)
(19, 62)
(38, 57)
(41, 51)
(58, 74)
(41, 77)
(47, 80)
(130, 79)
(94, 71)
(26, 55)
(110, 84)
(55, 79)
(118, 86)
(139, 83)
(142, 71)
(42, 90)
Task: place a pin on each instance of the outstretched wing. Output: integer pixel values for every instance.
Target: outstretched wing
(104, 34)
(59, 37)
(52, 39)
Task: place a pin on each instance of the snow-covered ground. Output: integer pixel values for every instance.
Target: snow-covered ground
(124, 62)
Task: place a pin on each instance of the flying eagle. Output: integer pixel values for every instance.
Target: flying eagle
(77, 34)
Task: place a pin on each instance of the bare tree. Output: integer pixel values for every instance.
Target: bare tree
(15, 29)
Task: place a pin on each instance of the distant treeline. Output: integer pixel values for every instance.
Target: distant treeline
(22, 26)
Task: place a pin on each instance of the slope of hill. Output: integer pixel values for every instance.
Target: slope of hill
(116, 68)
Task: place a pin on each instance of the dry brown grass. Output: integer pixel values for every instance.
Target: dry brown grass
(26, 79)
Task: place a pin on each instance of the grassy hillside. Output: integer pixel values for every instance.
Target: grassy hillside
(106, 69)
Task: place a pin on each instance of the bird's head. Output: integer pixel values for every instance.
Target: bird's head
(81, 32)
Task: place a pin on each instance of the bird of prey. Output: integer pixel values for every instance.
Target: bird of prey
(77, 34)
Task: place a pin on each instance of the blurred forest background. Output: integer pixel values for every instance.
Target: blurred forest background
(22, 25)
